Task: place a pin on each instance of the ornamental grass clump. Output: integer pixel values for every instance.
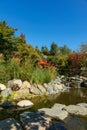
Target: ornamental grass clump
(41, 76)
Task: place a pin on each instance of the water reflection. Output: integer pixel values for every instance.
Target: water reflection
(71, 96)
(75, 123)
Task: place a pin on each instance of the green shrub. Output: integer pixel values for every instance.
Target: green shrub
(45, 75)
(13, 68)
(4, 76)
(26, 72)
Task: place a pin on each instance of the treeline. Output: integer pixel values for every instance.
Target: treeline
(19, 59)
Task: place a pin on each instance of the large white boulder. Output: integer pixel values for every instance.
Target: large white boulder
(14, 84)
(26, 84)
(25, 103)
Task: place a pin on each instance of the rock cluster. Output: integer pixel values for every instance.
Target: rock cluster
(20, 89)
(43, 119)
(61, 111)
(26, 89)
(76, 81)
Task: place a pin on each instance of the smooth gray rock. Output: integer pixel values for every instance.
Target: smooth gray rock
(50, 89)
(58, 87)
(55, 112)
(76, 110)
(35, 90)
(10, 124)
(55, 88)
(25, 85)
(42, 89)
(82, 104)
(58, 106)
(7, 92)
(45, 85)
(2, 87)
(57, 80)
(24, 92)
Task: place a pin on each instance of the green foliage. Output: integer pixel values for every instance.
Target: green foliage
(65, 50)
(4, 76)
(26, 52)
(26, 72)
(83, 48)
(62, 61)
(14, 68)
(54, 50)
(3, 73)
(45, 51)
(7, 40)
(43, 75)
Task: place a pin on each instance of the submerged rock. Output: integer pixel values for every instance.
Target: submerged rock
(75, 123)
(34, 121)
(10, 124)
(58, 126)
(7, 104)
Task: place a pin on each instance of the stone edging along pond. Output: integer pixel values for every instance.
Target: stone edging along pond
(16, 89)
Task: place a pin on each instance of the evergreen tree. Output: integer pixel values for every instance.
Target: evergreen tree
(54, 50)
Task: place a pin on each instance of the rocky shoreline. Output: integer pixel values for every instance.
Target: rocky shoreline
(17, 88)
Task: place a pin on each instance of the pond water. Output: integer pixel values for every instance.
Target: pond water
(70, 96)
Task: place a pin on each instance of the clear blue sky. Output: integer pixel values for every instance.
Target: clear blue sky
(47, 21)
